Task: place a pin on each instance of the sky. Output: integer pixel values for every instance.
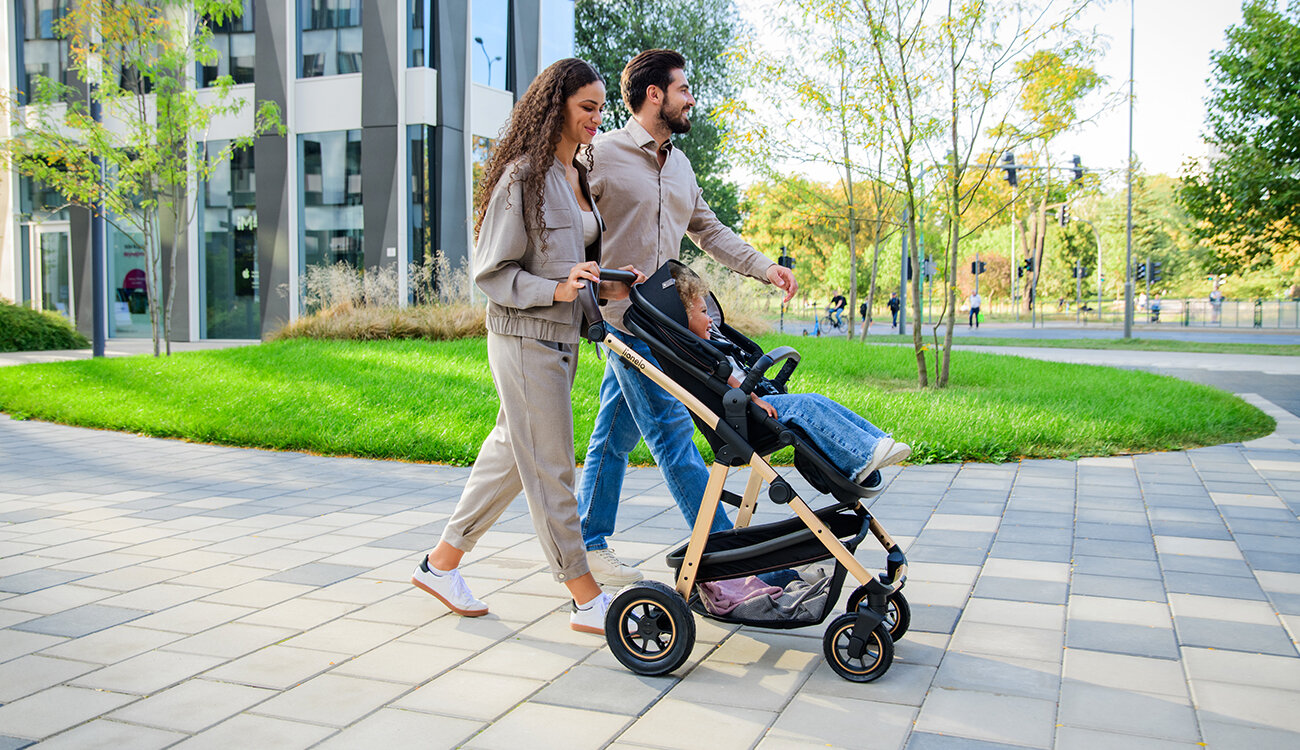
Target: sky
(1173, 42)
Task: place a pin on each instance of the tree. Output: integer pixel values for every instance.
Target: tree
(608, 33)
(132, 166)
(1245, 198)
(988, 66)
(817, 73)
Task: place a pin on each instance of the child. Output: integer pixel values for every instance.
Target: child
(855, 446)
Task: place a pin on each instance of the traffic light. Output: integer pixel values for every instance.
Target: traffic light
(1078, 168)
(1009, 166)
(1064, 216)
(977, 267)
(1029, 265)
(1141, 271)
(1156, 273)
(1020, 271)
(786, 259)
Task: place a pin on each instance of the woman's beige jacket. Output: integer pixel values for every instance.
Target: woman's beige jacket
(518, 277)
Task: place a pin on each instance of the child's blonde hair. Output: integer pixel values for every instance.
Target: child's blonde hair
(689, 285)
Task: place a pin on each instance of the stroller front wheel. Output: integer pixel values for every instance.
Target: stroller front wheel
(898, 613)
(649, 628)
(854, 659)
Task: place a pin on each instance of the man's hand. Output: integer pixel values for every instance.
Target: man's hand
(615, 290)
(783, 278)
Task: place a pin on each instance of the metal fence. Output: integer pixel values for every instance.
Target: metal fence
(1191, 313)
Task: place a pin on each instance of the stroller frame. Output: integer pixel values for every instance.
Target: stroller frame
(649, 626)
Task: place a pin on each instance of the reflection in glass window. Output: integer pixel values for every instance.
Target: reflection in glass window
(330, 39)
(332, 219)
(236, 46)
(491, 34)
(420, 266)
(228, 247)
(481, 148)
(418, 39)
(557, 31)
(127, 282)
(42, 53)
(37, 203)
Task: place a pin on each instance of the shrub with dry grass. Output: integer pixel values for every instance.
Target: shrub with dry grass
(349, 304)
(346, 303)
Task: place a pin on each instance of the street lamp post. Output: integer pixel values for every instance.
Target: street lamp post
(1128, 251)
(479, 41)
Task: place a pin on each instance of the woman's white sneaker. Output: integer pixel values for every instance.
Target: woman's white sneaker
(450, 589)
(590, 617)
(607, 569)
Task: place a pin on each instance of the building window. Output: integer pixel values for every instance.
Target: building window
(556, 32)
(491, 51)
(42, 53)
(421, 268)
(330, 39)
(231, 307)
(332, 220)
(419, 40)
(128, 285)
(236, 48)
(38, 205)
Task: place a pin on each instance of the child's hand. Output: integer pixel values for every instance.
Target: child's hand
(617, 289)
(765, 406)
(567, 290)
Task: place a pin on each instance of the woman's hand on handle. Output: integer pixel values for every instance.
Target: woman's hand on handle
(618, 289)
(567, 290)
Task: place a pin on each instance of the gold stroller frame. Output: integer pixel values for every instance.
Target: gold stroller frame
(858, 644)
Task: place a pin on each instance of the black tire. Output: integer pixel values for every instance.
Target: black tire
(898, 613)
(649, 628)
(876, 656)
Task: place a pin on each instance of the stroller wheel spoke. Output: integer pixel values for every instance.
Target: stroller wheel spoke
(649, 628)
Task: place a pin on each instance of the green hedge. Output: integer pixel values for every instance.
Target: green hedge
(26, 330)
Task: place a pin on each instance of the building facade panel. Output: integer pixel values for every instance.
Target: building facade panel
(383, 102)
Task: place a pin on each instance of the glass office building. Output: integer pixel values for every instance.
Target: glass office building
(388, 109)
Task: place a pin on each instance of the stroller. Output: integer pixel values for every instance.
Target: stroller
(650, 627)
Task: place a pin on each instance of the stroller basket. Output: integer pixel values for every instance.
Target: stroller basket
(773, 546)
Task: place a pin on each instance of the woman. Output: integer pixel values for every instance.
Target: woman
(538, 245)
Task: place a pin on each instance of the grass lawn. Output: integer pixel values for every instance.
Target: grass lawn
(426, 401)
(1145, 345)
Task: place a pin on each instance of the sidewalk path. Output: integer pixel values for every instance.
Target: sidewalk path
(157, 593)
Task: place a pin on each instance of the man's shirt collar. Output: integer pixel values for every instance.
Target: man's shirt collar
(642, 137)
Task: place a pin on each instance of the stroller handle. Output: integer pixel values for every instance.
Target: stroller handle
(590, 304)
(614, 274)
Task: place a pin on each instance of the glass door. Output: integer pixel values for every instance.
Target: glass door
(51, 268)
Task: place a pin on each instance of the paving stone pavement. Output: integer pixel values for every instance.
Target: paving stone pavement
(156, 593)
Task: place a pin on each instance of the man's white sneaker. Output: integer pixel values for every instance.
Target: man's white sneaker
(450, 588)
(609, 570)
(590, 617)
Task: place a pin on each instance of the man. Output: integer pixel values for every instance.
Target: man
(894, 304)
(647, 191)
(838, 303)
(974, 310)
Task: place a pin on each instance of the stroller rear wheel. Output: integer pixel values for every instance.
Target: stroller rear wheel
(898, 613)
(854, 659)
(649, 628)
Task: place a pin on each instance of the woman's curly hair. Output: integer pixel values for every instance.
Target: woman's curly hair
(530, 137)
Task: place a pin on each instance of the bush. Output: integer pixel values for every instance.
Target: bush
(26, 330)
(346, 321)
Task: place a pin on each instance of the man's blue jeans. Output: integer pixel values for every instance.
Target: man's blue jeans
(845, 438)
(632, 406)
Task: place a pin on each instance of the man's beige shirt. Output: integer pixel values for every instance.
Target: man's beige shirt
(647, 210)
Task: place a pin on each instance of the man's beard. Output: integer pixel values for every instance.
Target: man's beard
(676, 120)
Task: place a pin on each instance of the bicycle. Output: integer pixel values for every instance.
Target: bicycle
(832, 322)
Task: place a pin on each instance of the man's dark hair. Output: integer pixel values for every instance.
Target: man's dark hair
(653, 67)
